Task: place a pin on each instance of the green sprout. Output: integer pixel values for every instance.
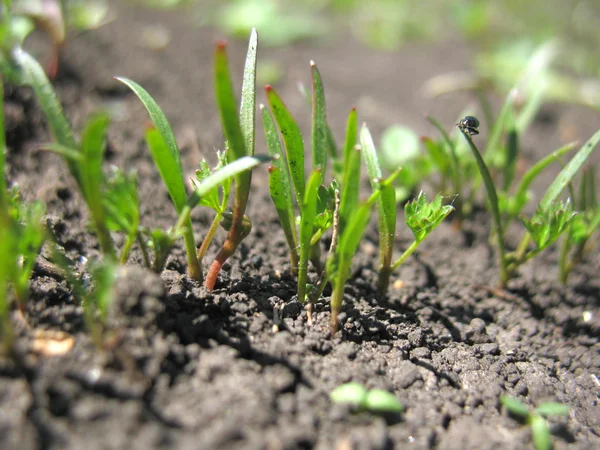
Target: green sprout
(240, 134)
(240, 146)
(552, 217)
(421, 216)
(22, 234)
(583, 226)
(165, 153)
(314, 201)
(376, 401)
(353, 221)
(536, 419)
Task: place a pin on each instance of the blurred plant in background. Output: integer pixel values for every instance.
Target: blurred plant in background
(504, 34)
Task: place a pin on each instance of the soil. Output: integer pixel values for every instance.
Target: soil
(240, 367)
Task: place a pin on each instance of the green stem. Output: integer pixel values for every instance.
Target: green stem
(337, 296)
(214, 226)
(194, 267)
(493, 198)
(143, 249)
(564, 263)
(409, 251)
(127, 249)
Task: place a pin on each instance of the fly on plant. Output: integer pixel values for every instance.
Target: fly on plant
(469, 125)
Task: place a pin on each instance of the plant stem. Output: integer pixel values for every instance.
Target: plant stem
(493, 198)
(409, 251)
(143, 249)
(209, 236)
(337, 296)
(235, 235)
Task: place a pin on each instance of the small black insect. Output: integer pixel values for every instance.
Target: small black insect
(469, 125)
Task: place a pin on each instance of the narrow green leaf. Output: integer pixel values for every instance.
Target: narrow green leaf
(510, 166)
(319, 122)
(494, 205)
(350, 187)
(308, 211)
(169, 168)
(569, 171)
(540, 433)
(349, 241)
(282, 206)
(529, 176)
(350, 142)
(292, 139)
(162, 145)
(224, 173)
(279, 186)
(248, 100)
(68, 153)
(227, 105)
(93, 144)
(35, 76)
(386, 203)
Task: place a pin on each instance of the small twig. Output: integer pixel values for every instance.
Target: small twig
(334, 241)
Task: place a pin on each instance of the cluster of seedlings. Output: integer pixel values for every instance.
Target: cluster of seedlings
(308, 205)
(324, 200)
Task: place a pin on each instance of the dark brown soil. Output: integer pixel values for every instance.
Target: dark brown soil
(191, 369)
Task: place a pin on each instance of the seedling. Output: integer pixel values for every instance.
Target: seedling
(584, 225)
(239, 133)
(551, 220)
(536, 419)
(22, 233)
(315, 202)
(421, 217)
(377, 401)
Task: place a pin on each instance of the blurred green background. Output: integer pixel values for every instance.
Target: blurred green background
(503, 34)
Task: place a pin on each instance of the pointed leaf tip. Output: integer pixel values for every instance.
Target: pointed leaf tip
(312, 63)
(221, 46)
(268, 88)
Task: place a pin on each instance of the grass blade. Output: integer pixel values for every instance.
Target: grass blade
(535, 170)
(292, 139)
(570, 170)
(386, 210)
(320, 141)
(307, 218)
(223, 174)
(248, 100)
(170, 170)
(236, 143)
(350, 187)
(351, 130)
(35, 76)
(280, 188)
(493, 200)
(227, 105)
(93, 144)
(162, 145)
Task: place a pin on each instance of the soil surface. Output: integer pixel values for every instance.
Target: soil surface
(240, 367)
